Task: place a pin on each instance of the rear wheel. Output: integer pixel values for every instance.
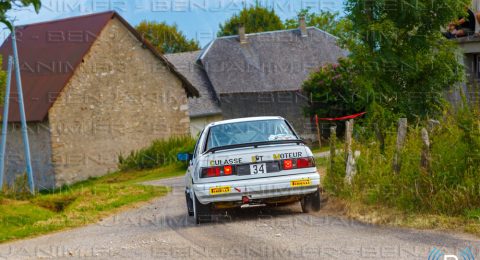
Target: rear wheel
(201, 212)
(311, 202)
(189, 204)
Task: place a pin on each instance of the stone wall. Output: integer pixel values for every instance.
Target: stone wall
(120, 99)
(471, 88)
(40, 151)
(197, 124)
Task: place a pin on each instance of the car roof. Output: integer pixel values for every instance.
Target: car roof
(245, 119)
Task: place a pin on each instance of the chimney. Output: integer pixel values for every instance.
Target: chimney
(242, 35)
(303, 26)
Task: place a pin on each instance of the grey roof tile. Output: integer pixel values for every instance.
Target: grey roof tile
(186, 64)
(270, 61)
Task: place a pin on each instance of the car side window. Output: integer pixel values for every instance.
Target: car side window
(195, 152)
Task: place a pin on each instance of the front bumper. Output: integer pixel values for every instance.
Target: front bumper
(257, 189)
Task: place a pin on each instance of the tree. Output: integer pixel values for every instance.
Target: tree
(3, 79)
(255, 19)
(333, 90)
(7, 5)
(402, 63)
(326, 21)
(166, 38)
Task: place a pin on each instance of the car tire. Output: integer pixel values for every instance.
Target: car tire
(201, 212)
(189, 204)
(311, 202)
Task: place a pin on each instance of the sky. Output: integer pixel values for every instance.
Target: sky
(197, 19)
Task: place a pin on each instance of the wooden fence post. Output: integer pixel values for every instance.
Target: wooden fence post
(319, 135)
(350, 160)
(380, 137)
(401, 135)
(348, 137)
(432, 124)
(425, 160)
(333, 142)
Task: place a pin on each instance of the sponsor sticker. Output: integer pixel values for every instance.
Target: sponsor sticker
(220, 190)
(279, 156)
(257, 158)
(225, 162)
(300, 183)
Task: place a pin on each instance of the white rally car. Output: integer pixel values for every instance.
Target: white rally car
(249, 162)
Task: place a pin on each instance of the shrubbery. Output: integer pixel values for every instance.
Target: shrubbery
(160, 153)
(334, 91)
(397, 65)
(451, 185)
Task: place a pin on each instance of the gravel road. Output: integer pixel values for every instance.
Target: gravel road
(162, 230)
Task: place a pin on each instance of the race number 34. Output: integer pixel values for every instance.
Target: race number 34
(259, 168)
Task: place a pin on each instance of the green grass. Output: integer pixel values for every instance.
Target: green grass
(449, 185)
(316, 149)
(159, 153)
(389, 216)
(445, 192)
(322, 162)
(79, 204)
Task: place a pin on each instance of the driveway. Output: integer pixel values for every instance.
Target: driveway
(162, 230)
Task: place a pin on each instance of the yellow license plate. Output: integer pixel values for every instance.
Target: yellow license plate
(300, 183)
(219, 190)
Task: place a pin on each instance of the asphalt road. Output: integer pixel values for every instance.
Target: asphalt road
(162, 230)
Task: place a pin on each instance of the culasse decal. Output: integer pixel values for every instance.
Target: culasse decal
(225, 162)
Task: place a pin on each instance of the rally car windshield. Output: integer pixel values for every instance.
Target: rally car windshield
(249, 132)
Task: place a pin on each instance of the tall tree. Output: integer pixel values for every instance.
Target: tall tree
(325, 20)
(255, 19)
(6, 5)
(166, 38)
(401, 61)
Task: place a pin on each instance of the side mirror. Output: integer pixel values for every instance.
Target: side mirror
(184, 157)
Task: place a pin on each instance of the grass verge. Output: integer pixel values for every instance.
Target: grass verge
(79, 204)
(316, 149)
(386, 216)
(432, 184)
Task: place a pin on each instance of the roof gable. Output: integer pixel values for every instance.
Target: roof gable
(50, 53)
(270, 61)
(207, 104)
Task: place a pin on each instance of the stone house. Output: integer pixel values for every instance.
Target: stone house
(93, 89)
(205, 108)
(259, 74)
(470, 56)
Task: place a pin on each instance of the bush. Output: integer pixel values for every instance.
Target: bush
(334, 91)
(160, 153)
(451, 185)
(19, 190)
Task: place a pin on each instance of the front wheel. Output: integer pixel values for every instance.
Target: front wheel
(201, 212)
(311, 202)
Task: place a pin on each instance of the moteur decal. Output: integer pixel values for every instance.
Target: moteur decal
(279, 156)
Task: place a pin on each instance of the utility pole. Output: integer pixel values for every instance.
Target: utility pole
(5, 121)
(23, 119)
